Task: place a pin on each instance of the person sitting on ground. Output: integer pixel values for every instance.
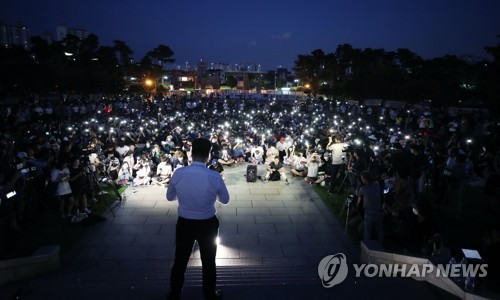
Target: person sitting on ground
(179, 160)
(276, 171)
(313, 169)
(239, 152)
(124, 174)
(143, 169)
(257, 154)
(163, 172)
(129, 158)
(225, 159)
(299, 165)
(216, 166)
(271, 153)
(113, 167)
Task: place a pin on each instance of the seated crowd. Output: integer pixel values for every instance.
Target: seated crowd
(387, 158)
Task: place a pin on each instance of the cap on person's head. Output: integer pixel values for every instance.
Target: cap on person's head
(201, 147)
(22, 155)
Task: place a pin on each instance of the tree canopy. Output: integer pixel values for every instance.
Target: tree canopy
(399, 75)
(75, 65)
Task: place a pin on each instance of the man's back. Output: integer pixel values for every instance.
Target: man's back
(197, 188)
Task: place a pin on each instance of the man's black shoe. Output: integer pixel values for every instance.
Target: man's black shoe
(218, 295)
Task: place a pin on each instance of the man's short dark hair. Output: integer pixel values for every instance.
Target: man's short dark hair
(201, 148)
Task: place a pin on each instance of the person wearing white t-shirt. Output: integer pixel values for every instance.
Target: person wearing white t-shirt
(257, 153)
(337, 147)
(122, 149)
(164, 172)
(299, 165)
(313, 168)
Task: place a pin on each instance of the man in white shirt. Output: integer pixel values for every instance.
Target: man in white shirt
(197, 218)
(337, 147)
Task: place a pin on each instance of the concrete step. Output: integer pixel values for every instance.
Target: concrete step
(226, 276)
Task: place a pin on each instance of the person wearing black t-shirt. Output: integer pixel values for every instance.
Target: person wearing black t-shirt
(216, 166)
(276, 169)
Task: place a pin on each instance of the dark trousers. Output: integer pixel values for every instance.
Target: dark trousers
(333, 173)
(205, 232)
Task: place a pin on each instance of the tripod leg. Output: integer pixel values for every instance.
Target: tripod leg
(347, 219)
(341, 187)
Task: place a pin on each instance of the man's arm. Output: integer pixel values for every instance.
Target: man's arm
(171, 192)
(222, 194)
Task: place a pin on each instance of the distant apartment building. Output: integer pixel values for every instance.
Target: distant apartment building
(15, 35)
(48, 37)
(62, 31)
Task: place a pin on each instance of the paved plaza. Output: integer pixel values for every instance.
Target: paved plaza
(272, 237)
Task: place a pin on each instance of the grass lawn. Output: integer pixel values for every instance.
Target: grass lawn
(51, 229)
(336, 203)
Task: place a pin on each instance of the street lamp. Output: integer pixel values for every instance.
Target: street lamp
(150, 87)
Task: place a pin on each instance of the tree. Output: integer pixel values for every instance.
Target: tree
(161, 54)
(152, 62)
(310, 69)
(123, 53)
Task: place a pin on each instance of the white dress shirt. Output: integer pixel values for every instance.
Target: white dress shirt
(197, 188)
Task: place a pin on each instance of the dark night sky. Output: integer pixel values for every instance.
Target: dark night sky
(270, 33)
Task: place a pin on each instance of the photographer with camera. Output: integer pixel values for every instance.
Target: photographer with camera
(369, 197)
(358, 164)
(92, 162)
(79, 185)
(337, 148)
